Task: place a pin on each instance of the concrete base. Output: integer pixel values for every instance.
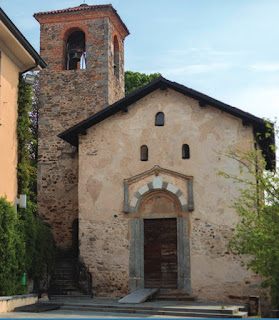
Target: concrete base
(8, 304)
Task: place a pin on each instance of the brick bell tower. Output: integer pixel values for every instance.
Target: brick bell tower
(84, 49)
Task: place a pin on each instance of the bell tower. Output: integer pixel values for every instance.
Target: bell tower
(84, 49)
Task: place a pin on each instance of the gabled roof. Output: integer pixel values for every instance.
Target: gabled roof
(259, 125)
(14, 33)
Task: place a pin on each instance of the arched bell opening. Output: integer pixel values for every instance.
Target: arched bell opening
(116, 57)
(75, 51)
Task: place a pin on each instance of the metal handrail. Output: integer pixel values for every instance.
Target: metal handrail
(90, 285)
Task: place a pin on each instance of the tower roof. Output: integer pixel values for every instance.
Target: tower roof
(84, 8)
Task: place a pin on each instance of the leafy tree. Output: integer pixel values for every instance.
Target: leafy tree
(135, 80)
(257, 233)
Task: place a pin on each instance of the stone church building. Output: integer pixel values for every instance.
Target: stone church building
(130, 182)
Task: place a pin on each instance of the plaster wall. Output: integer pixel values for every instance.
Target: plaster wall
(110, 153)
(8, 119)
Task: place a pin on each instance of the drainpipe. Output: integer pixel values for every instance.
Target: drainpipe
(35, 66)
(30, 78)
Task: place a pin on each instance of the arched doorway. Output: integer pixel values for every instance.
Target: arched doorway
(159, 210)
(159, 243)
(160, 253)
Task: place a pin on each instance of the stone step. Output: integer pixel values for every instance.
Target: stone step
(66, 261)
(57, 297)
(64, 282)
(178, 312)
(63, 279)
(65, 293)
(64, 287)
(66, 276)
(63, 269)
(175, 297)
(63, 272)
(64, 266)
(69, 294)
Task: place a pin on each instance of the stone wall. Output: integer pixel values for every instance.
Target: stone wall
(110, 153)
(66, 98)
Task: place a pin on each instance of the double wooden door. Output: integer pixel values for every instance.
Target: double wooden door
(160, 253)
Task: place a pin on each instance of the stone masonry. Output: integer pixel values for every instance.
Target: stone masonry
(70, 96)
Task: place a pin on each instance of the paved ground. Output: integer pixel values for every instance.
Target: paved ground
(65, 314)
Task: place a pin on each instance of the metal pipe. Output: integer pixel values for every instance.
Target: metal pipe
(35, 66)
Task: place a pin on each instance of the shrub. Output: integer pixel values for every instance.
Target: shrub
(12, 250)
(26, 245)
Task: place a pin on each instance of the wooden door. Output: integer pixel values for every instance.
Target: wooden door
(160, 253)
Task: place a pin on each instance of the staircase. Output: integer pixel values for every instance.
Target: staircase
(175, 295)
(64, 277)
(110, 308)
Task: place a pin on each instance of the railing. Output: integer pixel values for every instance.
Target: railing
(84, 276)
(90, 285)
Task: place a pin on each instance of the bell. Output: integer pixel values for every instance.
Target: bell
(75, 56)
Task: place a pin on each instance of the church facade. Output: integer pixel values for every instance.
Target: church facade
(132, 181)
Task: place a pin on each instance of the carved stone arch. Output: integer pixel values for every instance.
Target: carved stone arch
(156, 185)
(159, 204)
(156, 179)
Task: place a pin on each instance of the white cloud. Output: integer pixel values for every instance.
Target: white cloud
(266, 67)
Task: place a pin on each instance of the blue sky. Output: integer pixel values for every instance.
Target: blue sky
(227, 49)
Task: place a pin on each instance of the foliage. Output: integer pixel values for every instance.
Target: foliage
(26, 244)
(11, 251)
(135, 80)
(257, 233)
(27, 165)
(39, 243)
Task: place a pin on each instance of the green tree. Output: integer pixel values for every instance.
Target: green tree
(135, 80)
(257, 233)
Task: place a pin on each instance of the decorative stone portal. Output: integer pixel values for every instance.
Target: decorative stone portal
(163, 210)
(157, 178)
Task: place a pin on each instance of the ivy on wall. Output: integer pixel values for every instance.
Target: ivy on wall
(27, 142)
(38, 238)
